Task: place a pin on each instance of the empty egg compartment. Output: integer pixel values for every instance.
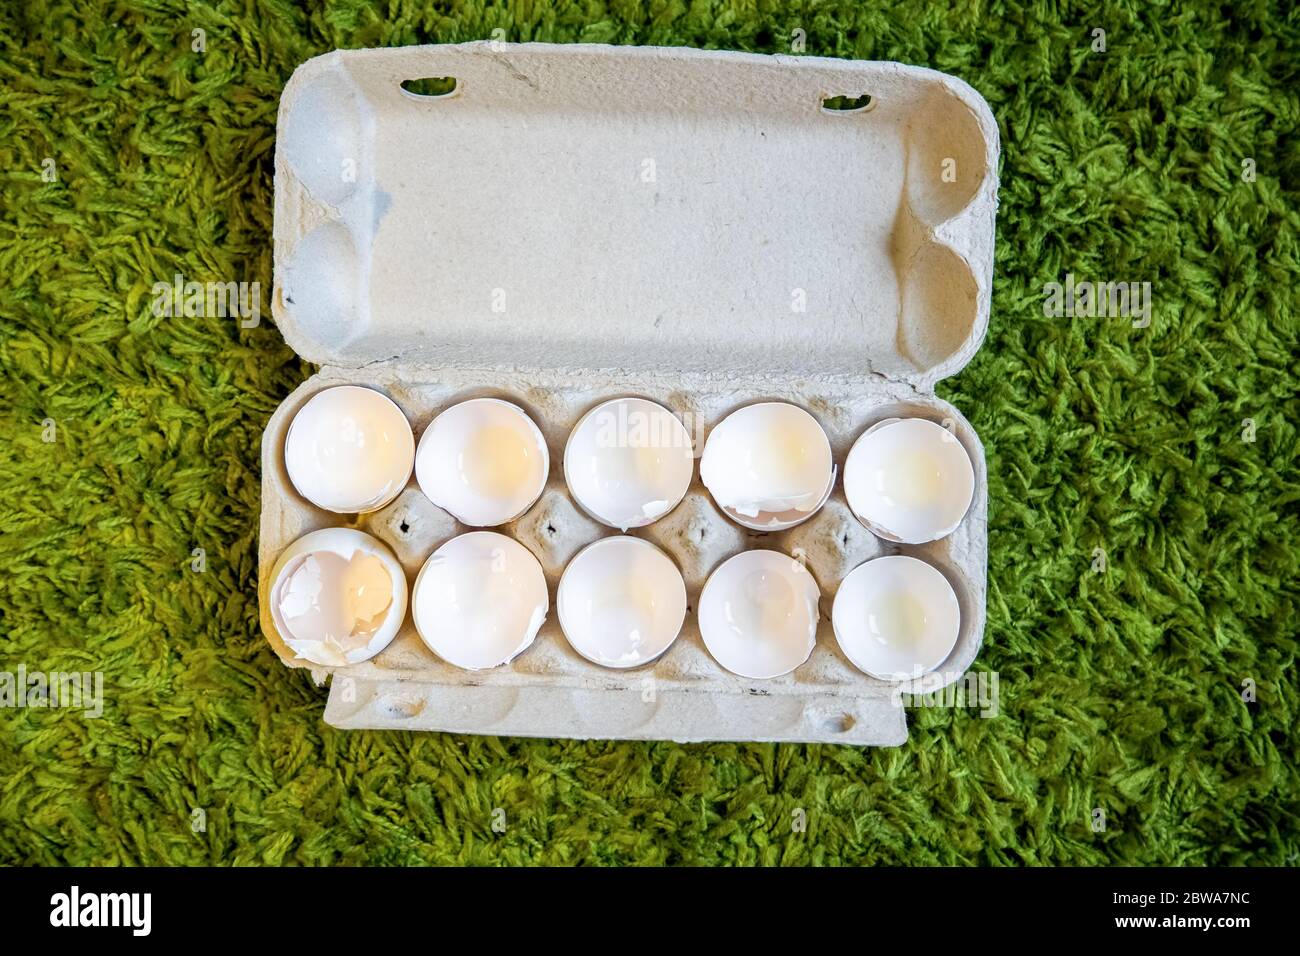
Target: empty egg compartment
(549, 689)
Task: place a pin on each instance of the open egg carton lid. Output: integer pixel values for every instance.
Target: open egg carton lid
(572, 222)
(628, 207)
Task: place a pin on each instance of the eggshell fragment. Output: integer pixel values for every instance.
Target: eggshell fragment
(338, 596)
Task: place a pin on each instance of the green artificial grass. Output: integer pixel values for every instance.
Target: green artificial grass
(1120, 690)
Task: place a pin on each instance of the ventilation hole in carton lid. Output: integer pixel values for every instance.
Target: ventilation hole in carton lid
(404, 527)
(848, 104)
(430, 87)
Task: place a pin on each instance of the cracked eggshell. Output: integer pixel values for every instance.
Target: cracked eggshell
(349, 450)
(621, 602)
(909, 480)
(483, 461)
(758, 614)
(896, 617)
(768, 466)
(628, 462)
(330, 581)
(480, 600)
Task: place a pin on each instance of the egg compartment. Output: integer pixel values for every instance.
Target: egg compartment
(572, 224)
(550, 690)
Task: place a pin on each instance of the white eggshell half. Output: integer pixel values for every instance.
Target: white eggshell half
(896, 617)
(768, 466)
(909, 480)
(758, 614)
(628, 462)
(318, 648)
(621, 602)
(480, 600)
(483, 461)
(349, 450)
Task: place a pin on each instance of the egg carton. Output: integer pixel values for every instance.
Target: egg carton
(572, 224)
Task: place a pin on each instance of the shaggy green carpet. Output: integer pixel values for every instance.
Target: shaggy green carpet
(1159, 689)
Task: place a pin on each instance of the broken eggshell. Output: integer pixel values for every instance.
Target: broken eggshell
(909, 480)
(483, 461)
(621, 602)
(628, 462)
(896, 617)
(758, 614)
(480, 600)
(349, 450)
(768, 466)
(338, 596)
